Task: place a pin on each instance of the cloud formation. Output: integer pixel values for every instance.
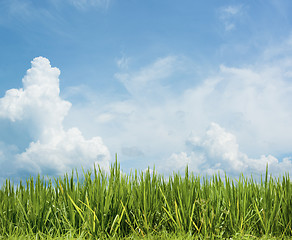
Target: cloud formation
(149, 76)
(39, 107)
(218, 151)
(246, 111)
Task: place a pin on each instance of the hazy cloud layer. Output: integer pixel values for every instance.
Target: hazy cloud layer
(39, 107)
(148, 78)
(246, 111)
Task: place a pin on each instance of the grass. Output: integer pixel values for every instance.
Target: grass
(158, 236)
(146, 205)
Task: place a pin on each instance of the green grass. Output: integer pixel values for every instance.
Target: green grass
(157, 236)
(146, 206)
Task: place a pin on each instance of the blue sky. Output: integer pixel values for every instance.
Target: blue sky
(170, 83)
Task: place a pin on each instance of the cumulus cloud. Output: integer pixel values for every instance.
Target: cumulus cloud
(220, 147)
(40, 108)
(218, 151)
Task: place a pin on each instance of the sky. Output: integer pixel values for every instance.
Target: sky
(162, 83)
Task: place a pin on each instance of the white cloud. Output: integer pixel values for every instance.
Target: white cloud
(149, 76)
(123, 62)
(23, 12)
(179, 160)
(218, 151)
(222, 145)
(229, 26)
(250, 105)
(281, 51)
(104, 117)
(231, 10)
(63, 153)
(39, 106)
(229, 15)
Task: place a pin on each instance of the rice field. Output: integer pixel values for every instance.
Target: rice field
(146, 205)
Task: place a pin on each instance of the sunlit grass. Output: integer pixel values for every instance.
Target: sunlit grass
(146, 205)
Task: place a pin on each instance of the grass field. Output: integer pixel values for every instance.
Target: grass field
(156, 236)
(144, 205)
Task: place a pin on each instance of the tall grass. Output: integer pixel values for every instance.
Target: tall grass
(115, 205)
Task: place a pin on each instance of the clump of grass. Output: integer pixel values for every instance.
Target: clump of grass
(114, 205)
